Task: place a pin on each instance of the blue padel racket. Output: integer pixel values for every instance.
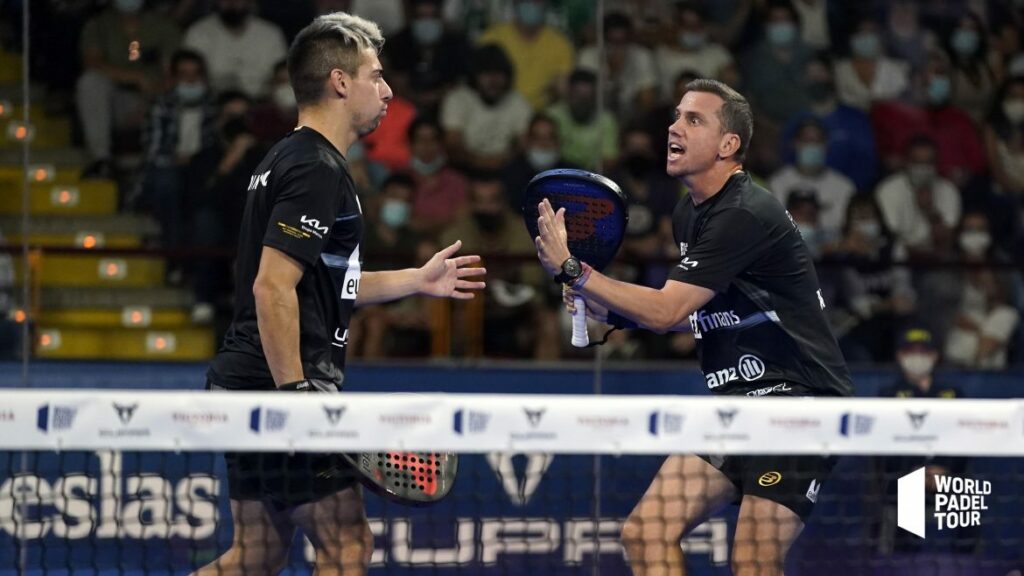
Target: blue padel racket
(596, 214)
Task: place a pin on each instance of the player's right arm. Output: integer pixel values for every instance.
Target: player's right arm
(277, 314)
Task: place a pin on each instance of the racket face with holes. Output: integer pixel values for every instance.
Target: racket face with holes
(596, 212)
(409, 478)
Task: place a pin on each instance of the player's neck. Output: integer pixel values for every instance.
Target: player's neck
(705, 185)
(335, 127)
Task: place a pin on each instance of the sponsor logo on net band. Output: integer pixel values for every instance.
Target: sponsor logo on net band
(534, 418)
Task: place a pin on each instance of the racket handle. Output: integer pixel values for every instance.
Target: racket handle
(580, 339)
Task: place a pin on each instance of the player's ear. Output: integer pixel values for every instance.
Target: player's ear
(728, 145)
(339, 81)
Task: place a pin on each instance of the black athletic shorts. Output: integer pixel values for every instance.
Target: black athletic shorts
(285, 480)
(793, 481)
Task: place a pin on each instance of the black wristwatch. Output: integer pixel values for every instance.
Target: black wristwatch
(572, 269)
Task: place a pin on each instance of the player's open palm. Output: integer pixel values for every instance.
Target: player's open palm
(447, 276)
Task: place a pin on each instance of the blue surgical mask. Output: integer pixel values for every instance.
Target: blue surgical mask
(128, 6)
(965, 42)
(939, 88)
(427, 31)
(781, 33)
(866, 45)
(868, 228)
(189, 92)
(395, 213)
(809, 232)
(810, 156)
(427, 168)
(530, 14)
(692, 40)
(542, 159)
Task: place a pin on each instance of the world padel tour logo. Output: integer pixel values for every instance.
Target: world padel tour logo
(267, 420)
(958, 502)
(52, 418)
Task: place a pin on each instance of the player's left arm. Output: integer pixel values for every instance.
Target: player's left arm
(443, 276)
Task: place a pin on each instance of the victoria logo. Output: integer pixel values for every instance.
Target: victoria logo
(726, 416)
(125, 412)
(917, 419)
(534, 416)
(334, 414)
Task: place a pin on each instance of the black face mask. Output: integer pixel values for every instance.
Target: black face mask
(638, 166)
(489, 222)
(233, 18)
(582, 114)
(234, 127)
(819, 91)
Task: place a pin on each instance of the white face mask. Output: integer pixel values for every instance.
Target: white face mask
(1014, 109)
(917, 365)
(283, 97)
(975, 242)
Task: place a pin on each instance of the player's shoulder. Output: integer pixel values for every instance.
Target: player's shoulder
(750, 197)
(305, 147)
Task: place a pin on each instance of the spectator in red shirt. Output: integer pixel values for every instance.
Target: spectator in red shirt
(389, 143)
(961, 153)
(441, 191)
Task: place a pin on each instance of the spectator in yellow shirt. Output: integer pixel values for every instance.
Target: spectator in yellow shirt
(541, 55)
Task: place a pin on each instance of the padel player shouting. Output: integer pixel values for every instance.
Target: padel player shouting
(299, 278)
(746, 287)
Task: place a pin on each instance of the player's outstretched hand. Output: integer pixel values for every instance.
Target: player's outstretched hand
(594, 310)
(552, 244)
(444, 276)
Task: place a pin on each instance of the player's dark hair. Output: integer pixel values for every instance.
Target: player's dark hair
(735, 115)
(332, 41)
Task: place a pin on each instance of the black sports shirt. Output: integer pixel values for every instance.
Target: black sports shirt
(301, 201)
(765, 331)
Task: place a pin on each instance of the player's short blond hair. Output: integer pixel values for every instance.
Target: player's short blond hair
(332, 41)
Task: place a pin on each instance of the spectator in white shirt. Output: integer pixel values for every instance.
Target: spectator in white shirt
(919, 206)
(692, 49)
(632, 86)
(240, 49)
(869, 75)
(985, 320)
(484, 121)
(813, 15)
(809, 173)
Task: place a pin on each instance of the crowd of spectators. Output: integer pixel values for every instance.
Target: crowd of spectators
(892, 130)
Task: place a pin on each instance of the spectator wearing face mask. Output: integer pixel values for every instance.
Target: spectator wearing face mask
(180, 128)
(974, 83)
(920, 207)
(542, 150)
(985, 320)
(869, 76)
(961, 154)
(440, 190)
(541, 55)
(809, 172)
(125, 49)
(426, 58)
(278, 114)
(874, 292)
(240, 49)
(631, 86)
(589, 138)
(484, 120)
(1004, 138)
(772, 64)
(917, 354)
(803, 207)
(851, 140)
(691, 49)
(400, 328)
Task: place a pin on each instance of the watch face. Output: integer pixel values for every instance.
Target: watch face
(572, 268)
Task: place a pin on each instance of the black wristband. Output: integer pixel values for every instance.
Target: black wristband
(621, 322)
(297, 386)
